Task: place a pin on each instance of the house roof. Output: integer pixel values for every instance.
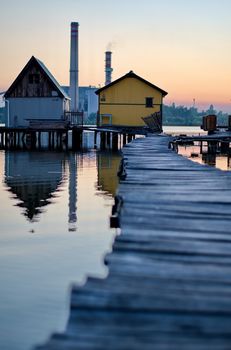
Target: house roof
(131, 74)
(51, 78)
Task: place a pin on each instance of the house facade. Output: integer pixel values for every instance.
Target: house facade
(35, 94)
(125, 101)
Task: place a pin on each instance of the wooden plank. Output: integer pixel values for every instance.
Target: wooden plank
(135, 265)
(155, 341)
(123, 285)
(146, 235)
(154, 298)
(214, 249)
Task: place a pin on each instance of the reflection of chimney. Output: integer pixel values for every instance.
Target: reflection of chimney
(108, 68)
(74, 67)
(72, 192)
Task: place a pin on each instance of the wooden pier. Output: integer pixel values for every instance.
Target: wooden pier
(169, 281)
(58, 135)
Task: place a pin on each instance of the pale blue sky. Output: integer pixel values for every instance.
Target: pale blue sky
(182, 46)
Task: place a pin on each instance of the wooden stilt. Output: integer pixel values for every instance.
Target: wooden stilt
(95, 139)
(102, 140)
(124, 139)
(224, 147)
(108, 139)
(76, 139)
(129, 137)
(115, 141)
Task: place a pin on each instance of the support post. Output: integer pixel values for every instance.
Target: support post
(201, 147)
(95, 139)
(39, 139)
(108, 139)
(33, 139)
(129, 137)
(102, 140)
(52, 140)
(66, 140)
(15, 139)
(124, 139)
(212, 147)
(224, 147)
(7, 141)
(114, 141)
(76, 139)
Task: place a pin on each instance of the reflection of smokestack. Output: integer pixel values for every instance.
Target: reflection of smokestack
(108, 68)
(72, 192)
(74, 67)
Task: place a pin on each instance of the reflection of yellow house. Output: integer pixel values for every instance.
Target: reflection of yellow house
(126, 100)
(108, 166)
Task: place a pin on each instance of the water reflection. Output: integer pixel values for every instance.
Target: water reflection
(33, 178)
(199, 154)
(36, 178)
(72, 189)
(108, 165)
(209, 159)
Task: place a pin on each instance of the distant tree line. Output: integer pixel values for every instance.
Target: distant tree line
(181, 115)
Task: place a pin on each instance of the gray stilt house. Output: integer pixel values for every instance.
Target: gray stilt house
(35, 95)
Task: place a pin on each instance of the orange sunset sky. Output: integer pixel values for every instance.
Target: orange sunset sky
(182, 46)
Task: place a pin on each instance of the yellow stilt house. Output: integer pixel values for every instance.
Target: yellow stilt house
(126, 100)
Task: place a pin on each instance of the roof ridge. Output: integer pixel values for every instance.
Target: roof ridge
(46, 72)
(133, 75)
(50, 75)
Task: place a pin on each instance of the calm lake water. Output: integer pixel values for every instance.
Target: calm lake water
(54, 230)
(189, 130)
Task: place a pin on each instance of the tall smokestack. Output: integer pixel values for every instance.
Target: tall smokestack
(108, 68)
(74, 67)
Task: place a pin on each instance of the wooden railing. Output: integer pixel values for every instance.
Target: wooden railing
(154, 122)
(74, 118)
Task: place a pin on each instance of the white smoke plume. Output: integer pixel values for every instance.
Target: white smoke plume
(111, 45)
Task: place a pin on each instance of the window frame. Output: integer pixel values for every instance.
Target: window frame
(149, 102)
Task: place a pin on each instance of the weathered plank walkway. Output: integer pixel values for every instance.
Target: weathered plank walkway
(169, 282)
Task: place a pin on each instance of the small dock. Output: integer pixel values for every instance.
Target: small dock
(169, 281)
(216, 142)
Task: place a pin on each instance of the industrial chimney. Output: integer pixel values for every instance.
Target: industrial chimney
(108, 68)
(74, 67)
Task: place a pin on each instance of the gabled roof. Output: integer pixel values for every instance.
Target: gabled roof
(131, 74)
(50, 77)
